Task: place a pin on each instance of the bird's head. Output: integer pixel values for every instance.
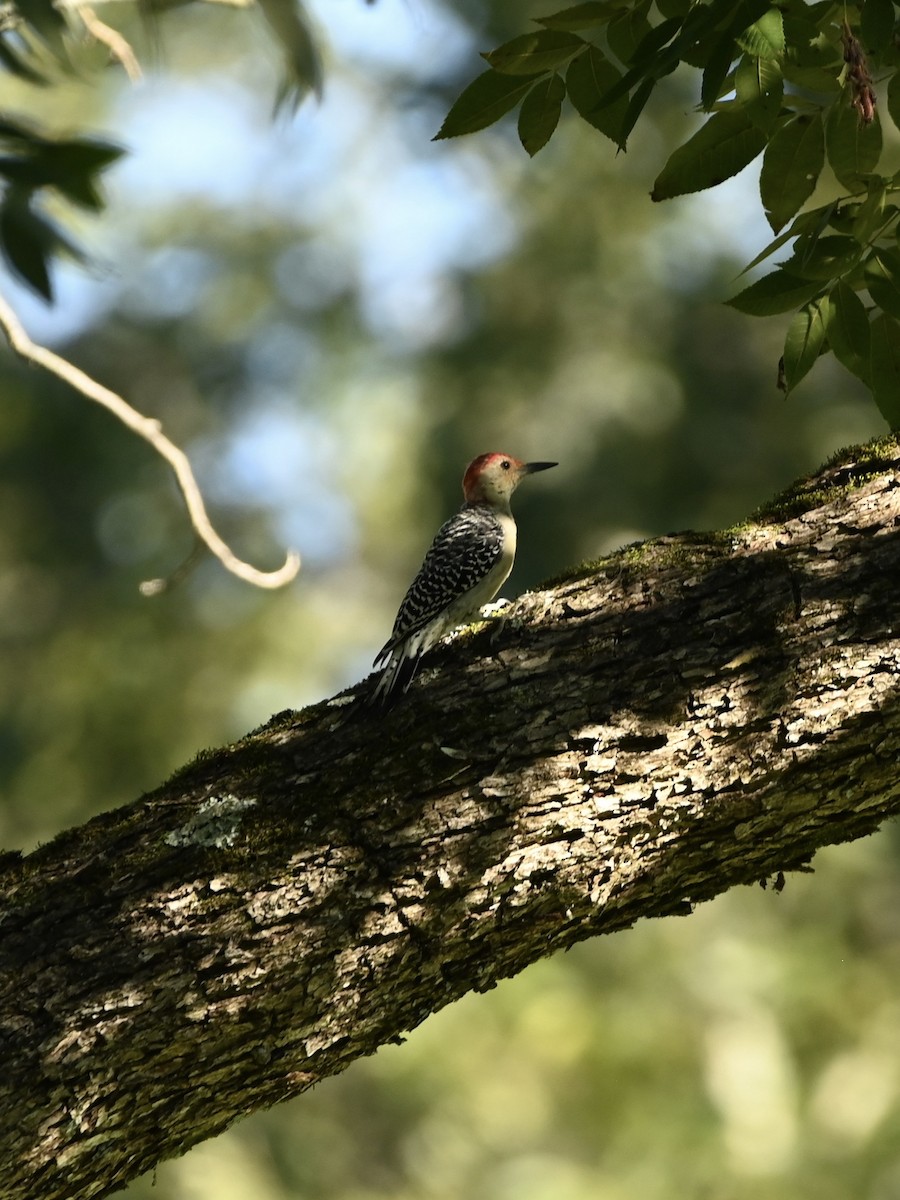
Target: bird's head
(492, 478)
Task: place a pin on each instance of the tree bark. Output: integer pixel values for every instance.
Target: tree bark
(690, 714)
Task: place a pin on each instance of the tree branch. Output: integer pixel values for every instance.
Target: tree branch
(694, 713)
(151, 431)
(119, 48)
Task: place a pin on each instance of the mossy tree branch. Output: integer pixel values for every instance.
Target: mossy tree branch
(691, 714)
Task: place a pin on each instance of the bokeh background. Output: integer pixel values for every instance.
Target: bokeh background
(332, 314)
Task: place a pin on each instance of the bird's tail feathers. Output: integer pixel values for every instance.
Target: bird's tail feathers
(400, 670)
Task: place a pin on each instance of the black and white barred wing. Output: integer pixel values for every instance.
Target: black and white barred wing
(465, 551)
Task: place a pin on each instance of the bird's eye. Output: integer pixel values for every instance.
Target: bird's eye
(506, 464)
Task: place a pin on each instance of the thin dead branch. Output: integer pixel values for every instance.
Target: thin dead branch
(151, 431)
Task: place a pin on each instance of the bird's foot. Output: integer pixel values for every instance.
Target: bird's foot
(496, 614)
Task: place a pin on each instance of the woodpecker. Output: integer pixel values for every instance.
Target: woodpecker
(467, 564)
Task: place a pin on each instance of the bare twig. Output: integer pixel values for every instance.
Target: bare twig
(112, 40)
(151, 431)
(153, 587)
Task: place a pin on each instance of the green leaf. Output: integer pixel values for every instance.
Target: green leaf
(303, 66)
(814, 79)
(848, 330)
(883, 280)
(777, 292)
(806, 223)
(884, 367)
(824, 258)
(812, 38)
(628, 30)
(719, 149)
(483, 102)
(84, 155)
(26, 241)
(701, 19)
(653, 42)
(534, 53)
(877, 24)
(893, 98)
(715, 53)
(46, 19)
(853, 147)
(635, 108)
(42, 15)
(871, 214)
(673, 8)
(582, 16)
(718, 64)
(72, 166)
(759, 86)
(69, 166)
(804, 342)
(81, 154)
(539, 114)
(588, 78)
(765, 37)
(728, 17)
(791, 166)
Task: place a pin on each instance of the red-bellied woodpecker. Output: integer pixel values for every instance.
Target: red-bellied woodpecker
(468, 563)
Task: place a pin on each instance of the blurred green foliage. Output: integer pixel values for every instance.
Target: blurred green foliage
(333, 315)
(793, 82)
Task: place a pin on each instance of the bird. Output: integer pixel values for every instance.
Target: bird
(468, 562)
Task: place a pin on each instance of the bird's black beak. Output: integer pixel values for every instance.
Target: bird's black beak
(530, 468)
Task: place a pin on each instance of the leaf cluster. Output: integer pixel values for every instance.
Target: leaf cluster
(31, 164)
(793, 82)
(35, 39)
